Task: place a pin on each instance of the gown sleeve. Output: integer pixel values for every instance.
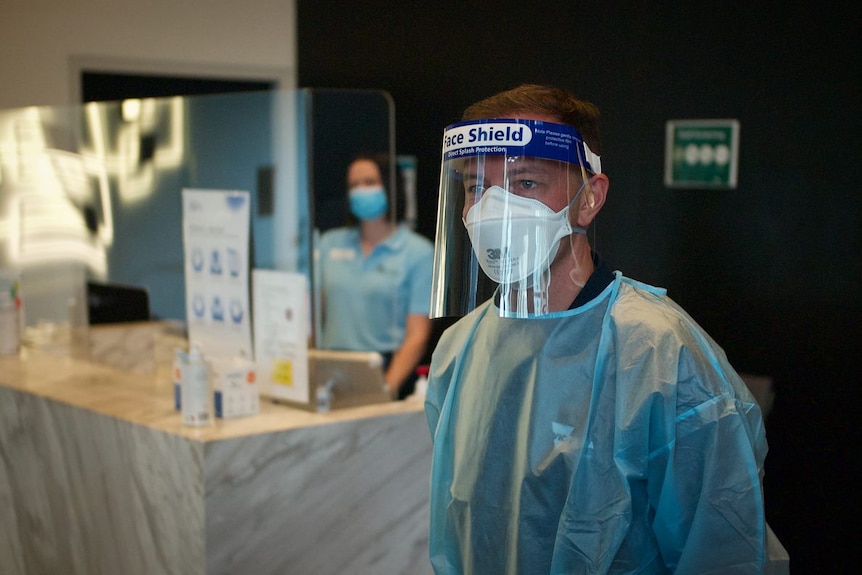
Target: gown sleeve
(705, 483)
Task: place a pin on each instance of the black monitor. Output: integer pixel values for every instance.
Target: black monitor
(116, 303)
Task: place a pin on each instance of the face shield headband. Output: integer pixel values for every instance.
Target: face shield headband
(506, 189)
(527, 138)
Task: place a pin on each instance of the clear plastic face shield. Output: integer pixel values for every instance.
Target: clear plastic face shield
(509, 196)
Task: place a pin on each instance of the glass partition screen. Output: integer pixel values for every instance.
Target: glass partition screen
(93, 192)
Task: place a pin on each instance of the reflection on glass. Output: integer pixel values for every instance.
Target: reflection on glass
(135, 140)
(93, 191)
(50, 195)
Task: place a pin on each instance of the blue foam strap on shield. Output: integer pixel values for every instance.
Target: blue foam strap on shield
(514, 137)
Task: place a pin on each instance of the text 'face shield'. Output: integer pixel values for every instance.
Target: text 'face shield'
(506, 189)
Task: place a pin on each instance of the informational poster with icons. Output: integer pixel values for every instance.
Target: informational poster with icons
(281, 334)
(216, 248)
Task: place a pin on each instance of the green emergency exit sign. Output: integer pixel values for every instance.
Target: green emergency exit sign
(702, 154)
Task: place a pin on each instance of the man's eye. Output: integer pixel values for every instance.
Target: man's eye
(527, 184)
(476, 189)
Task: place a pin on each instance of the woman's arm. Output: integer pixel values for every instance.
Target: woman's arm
(405, 359)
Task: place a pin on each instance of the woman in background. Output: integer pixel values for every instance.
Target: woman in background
(376, 280)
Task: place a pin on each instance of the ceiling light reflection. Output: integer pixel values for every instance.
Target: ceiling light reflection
(118, 144)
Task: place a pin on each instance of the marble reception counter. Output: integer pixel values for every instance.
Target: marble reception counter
(98, 475)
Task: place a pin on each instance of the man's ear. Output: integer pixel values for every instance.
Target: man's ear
(594, 195)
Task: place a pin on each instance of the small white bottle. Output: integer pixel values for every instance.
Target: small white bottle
(180, 361)
(196, 400)
(421, 383)
(324, 397)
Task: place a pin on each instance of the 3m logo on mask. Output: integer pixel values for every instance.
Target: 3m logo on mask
(496, 254)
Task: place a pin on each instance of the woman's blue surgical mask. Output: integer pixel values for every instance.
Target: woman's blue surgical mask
(368, 202)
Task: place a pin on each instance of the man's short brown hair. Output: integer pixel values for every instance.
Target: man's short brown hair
(545, 100)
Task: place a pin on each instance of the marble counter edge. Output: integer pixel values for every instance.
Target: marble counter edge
(147, 399)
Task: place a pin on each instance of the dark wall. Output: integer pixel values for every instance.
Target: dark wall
(771, 269)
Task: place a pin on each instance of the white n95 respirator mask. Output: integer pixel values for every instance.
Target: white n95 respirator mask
(515, 237)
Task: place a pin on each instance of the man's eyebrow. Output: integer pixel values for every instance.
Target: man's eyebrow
(531, 168)
(518, 170)
(515, 170)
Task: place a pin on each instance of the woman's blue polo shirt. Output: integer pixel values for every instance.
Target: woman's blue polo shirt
(367, 299)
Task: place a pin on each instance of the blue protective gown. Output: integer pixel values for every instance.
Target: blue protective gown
(612, 438)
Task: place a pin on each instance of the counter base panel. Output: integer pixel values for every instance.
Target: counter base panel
(82, 492)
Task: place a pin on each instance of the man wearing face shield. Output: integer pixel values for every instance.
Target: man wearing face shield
(582, 421)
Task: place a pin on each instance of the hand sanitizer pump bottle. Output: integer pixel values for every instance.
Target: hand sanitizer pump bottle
(196, 400)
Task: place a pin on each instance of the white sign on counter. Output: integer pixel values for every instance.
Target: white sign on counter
(216, 249)
(281, 334)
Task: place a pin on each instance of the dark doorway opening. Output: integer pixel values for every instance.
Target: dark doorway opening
(110, 86)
